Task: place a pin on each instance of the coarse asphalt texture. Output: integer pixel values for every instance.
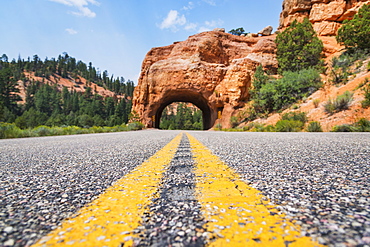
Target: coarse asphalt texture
(318, 180)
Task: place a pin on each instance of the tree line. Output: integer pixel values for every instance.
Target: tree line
(46, 105)
(184, 118)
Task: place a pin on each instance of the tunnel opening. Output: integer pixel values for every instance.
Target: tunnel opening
(181, 116)
(208, 115)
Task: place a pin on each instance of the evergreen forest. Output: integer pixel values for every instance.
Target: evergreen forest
(180, 115)
(46, 103)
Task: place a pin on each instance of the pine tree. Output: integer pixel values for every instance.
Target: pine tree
(8, 95)
(356, 32)
(298, 47)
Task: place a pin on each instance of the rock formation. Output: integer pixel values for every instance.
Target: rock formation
(212, 70)
(325, 15)
(266, 31)
(219, 30)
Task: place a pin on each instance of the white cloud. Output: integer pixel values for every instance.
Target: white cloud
(173, 20)
(191, 26)
(71, 31)
(210, 25)
(189, 6)
(210, 2)
(81, 5)
(204, 29)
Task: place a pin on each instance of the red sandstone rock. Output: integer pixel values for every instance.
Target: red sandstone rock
(212, 70)
(325, 15)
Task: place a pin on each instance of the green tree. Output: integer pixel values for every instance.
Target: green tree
(298, 47)
(47, 100)
(98, 121)
(355, 33)
(47, 105)
(56, 120)
(85, 121)
(31, 118)
(239, 31)
(188, 125)
(121, 112)
(185, 118)
(259, 79)
(291, 87)
(8, 94)
(109, 106)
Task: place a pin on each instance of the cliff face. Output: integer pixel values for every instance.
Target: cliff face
(212, 70)
(325, 15)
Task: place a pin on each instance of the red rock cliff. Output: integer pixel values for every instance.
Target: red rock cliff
(325, 15)
(212, 70)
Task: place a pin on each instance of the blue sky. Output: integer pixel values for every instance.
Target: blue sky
(115, 35)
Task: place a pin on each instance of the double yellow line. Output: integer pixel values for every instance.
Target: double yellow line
(237, 214)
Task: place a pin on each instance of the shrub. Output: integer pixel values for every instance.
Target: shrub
(218, 126)
(295, 116)
(343, 128)
(269, 128)
(254, 127)
(234, 121)
(366, 102)
(96, 129)
(340, 67)
(259, 79)
(339, 104)
(258, 127)
(281, 93)
(356, 32)
(363, 125)
(314, 126)
(42, 131)
(316, 102)
(295, 107)
(339, 75)
(298, 47)
(135, 126)
(8, 130)
(288, 126)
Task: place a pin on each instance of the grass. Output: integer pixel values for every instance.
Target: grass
(363, 125)
(316, 102)
(339, 104)
(295, 116)
(314, 126)
(288, 126)
(10, 130)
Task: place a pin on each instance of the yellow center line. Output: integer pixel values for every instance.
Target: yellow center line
(237, 214)
(111, 218)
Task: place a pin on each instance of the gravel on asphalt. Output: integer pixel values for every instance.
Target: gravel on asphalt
(45, 180)
(320, 180)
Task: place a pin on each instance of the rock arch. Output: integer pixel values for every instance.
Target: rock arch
(209, 114)
(213, 70)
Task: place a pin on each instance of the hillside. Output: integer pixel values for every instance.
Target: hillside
(61, 92)
(79, 85)
(356, 80)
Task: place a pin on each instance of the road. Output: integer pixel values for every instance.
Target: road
(193, 188)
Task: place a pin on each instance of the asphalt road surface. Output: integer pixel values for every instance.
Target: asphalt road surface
(173, 188)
